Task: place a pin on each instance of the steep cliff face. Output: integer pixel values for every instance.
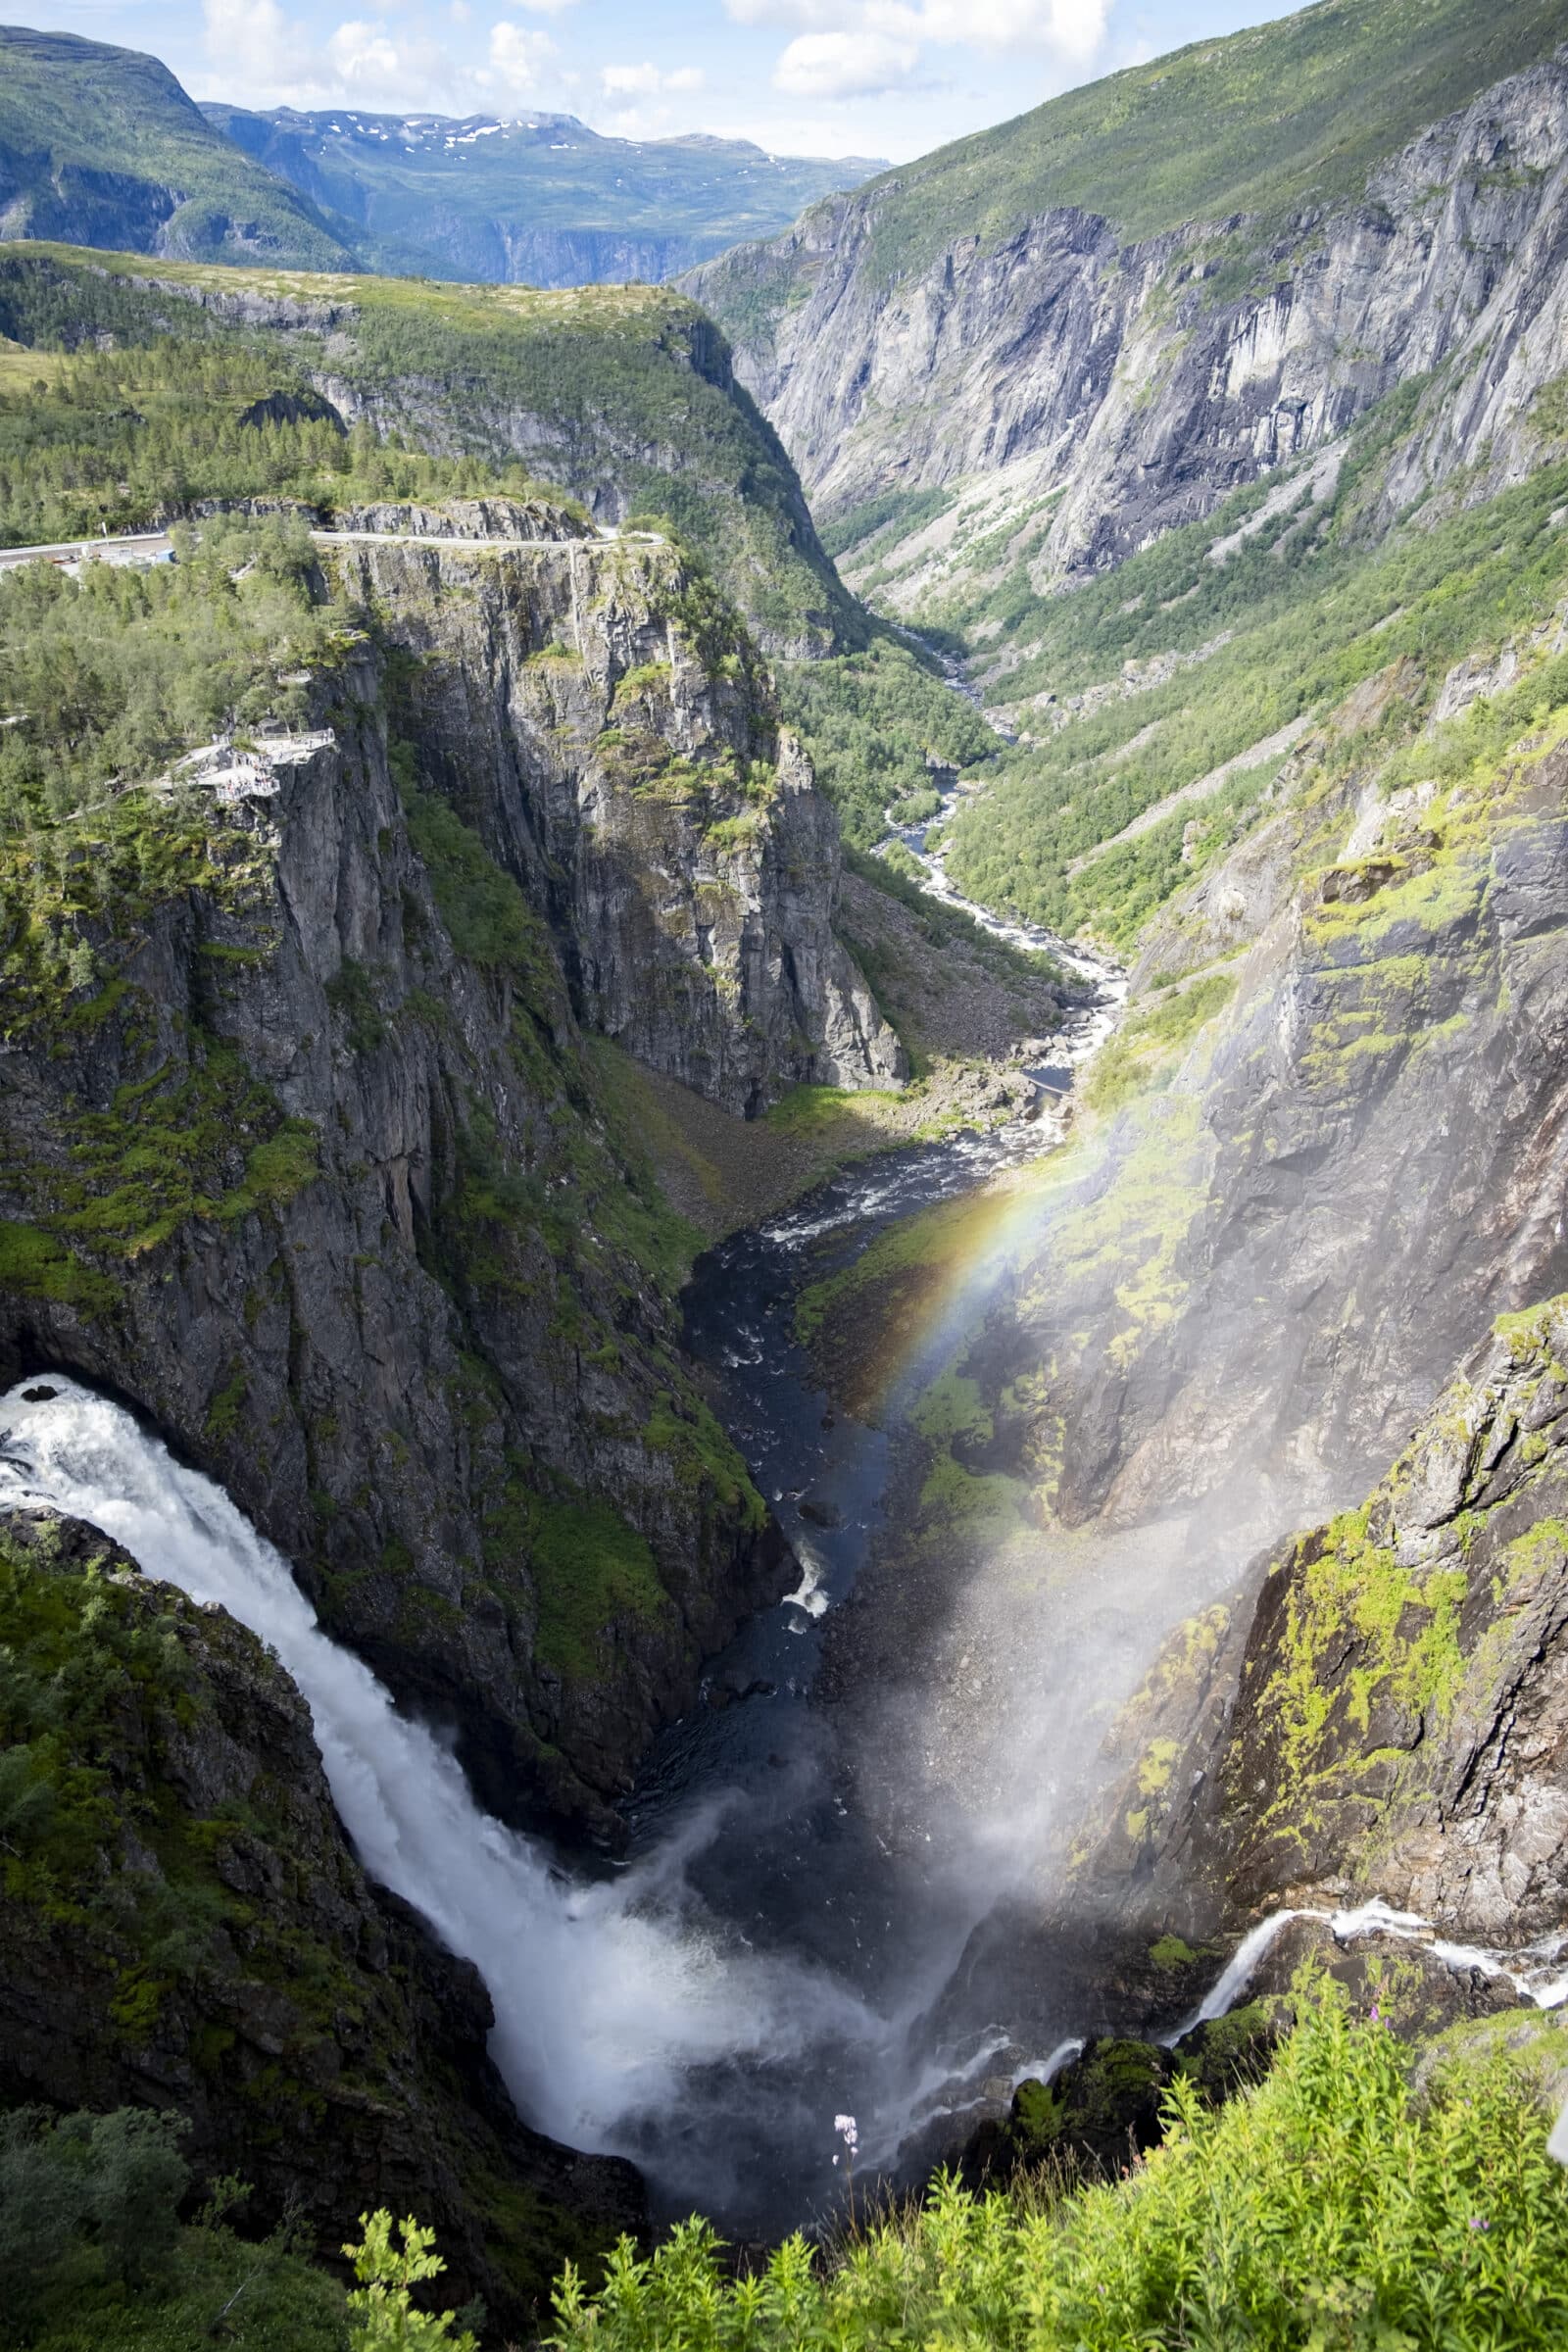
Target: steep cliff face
(1104, 388)
(1326, 1150)
(597, 716)
(1379, 1711)
(185, 1925)
(319, 1168)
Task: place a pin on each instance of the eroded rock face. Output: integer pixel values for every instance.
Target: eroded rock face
(608, 729)
(1430, 1762)
(1382, 1710)
(1113, 369)
(326, 1178)
(187, 1926)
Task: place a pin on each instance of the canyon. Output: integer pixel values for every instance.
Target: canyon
(912, 1470)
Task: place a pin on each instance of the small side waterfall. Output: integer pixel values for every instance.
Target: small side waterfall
(606, 1995)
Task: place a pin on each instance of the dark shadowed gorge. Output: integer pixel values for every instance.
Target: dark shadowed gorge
(782, 1262)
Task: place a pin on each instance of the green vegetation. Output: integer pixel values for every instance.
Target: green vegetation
(894, 513)
(704, 1458)
(1330, 2206)
(97, 2260)
(812, 1111)
(94, 1844)
(103, 145)
(1151, 1040)
(598, 1585)
(1306, 627)
(386, 2318)
(873, 723)
(206, 1140)
(1406, 1660)
(118, 440)
(1271, 120)
(110, 675)
(598, 373)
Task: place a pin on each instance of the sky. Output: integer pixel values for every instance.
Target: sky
(834, 77)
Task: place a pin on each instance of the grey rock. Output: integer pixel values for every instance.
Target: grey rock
(1116, 371)
(396, 1367)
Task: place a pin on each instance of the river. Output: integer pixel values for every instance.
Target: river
(759, 1961)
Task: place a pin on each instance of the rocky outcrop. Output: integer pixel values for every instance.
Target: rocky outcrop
(319, 1168)
(187, 1927)
(606, 726)
(1134, 381)
(1400, 1716)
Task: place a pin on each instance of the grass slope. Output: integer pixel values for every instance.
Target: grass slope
(102, 145)
(1288, 629)
(1265, 122)
(1333, 2206)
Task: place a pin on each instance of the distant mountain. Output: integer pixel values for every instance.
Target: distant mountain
(101, 146)
(538, 199)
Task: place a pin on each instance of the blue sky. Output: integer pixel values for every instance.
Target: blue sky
(889, 77)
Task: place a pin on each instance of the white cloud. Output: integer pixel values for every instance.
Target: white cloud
(362, 58)
(844, 64)
(543, 8)
(520, 57)
(1072, 28)
(851, 47)
(835, 16)
(648, 81)
(256, 52)
(255, 43)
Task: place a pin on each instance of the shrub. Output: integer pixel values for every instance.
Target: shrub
(1331, 2206)
(385, 2320)
(87, 2195)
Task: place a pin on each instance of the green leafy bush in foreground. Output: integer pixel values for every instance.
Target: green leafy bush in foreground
(1335, 2206)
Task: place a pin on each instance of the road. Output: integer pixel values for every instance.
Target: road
(156, 547)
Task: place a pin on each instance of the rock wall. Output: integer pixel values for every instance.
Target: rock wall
(1380, 1710)
(608, 729)
(1217, 1314)
(1139, 379)
(320, 1169)
(186, 1926)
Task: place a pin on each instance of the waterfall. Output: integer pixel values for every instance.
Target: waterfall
(606, 1994)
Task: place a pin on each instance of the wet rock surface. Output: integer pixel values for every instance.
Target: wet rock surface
(439, 1328)
(233, 1962)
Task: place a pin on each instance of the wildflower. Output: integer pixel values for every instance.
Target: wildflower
(1476, 2223)
(848, 2131)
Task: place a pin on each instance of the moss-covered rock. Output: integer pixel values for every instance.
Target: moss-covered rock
(185, 1925)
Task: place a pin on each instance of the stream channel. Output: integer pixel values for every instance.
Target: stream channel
(755, 1788)
(758, 1963)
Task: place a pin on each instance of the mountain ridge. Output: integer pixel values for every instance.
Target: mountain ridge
(538, 198)
(100, 145)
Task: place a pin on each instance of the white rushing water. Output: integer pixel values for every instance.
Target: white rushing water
(1536, 1972)
(606, 1995)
